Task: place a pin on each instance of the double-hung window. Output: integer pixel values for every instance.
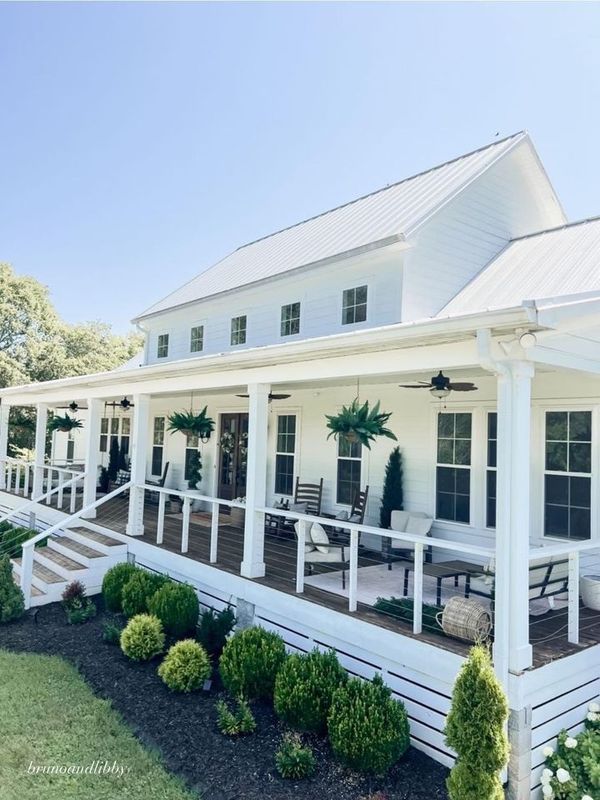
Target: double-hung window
(197, 339)
(191, 450)
(238, 330)
(158, 442)
(491, 468)
(349, 464)
(567, 478)
(285, 454)
(290, 319)
(162, 349)
(354, 305)
(453, 472)
(104, 435)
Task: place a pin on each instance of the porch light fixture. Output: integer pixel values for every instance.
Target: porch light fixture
(440, 392)
(204, 437)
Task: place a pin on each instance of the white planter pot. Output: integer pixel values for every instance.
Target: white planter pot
(590, 591)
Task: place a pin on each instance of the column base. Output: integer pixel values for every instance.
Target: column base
(521, 658)
(134, 530)
(255, 569)
(91, 514)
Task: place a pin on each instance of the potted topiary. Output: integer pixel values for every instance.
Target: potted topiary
(65, 424)
(358, 423)
(194, 470)
(191, 424)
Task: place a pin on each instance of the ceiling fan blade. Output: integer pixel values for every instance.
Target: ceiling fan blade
(415, 386)
(462, 387)
(242, 395)
(279, 396)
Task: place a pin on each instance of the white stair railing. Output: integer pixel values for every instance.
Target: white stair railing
(29, 545)
(46, 496)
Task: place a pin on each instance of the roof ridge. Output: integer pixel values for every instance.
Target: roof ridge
(383, 189)
(573, 224)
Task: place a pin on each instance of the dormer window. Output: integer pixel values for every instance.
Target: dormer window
(354, 305)
(290, 319)
(197, 339)
(162, 350)
(238, 330)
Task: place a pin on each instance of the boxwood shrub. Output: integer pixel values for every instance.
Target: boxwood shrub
(138, 590)
(368, 729)
(142, 638)
(113, 583)
(12, 604)
(185, 667)
(304, 689)
(176, 606)
(250, 662)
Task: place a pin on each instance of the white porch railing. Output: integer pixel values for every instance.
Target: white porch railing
(29, 545)
(18, 477)
(46, 497)
(188, 498)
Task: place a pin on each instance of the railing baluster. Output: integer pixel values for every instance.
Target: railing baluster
(573, 622)
(49, 472)
(185, 525)
(26, 572)
(160, 523)
(18, 479)
(353, 577)
(9, 477)
(303, 529)
(73, 500)
(60, 496)
(214, 533)
(27, 480)
(418, 589)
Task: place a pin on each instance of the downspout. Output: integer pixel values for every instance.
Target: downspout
(144, 331)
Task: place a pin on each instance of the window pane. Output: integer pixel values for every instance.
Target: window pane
(580, 457)
(197, 339)
(114, 425)
(556, 426)
(579, 523)
(284, 474)
(463, 426)
(104, 425)
(453, 494)
(126, 426)
(580, 492)
(445, 451)
(556, 520)
(348, 449)
(580, 426)
(557, 489)
(348, 480)
(446, 425)
(462, 452)
(556, 456)
(157, 460)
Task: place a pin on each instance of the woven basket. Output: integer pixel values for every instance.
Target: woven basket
(465, 619)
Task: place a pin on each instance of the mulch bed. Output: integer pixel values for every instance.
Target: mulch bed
(183, 727)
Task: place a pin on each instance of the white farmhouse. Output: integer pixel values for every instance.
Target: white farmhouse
(470, 269)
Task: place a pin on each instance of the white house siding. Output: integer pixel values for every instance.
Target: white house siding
(318, 290)
(414, 422)
(461, 239)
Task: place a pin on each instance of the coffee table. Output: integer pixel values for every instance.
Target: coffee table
(443, 571)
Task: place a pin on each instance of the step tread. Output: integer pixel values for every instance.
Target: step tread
(45, 574)
(79, 547)
(97, 536)
(60, 559)
(34, 589)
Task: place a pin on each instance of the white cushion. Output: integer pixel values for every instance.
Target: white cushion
(342, 515)
(308, 547)
(299, 508)
(319, 538)
(418, 525)
(398, 520)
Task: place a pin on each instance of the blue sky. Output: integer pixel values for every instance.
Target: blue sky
(141, 142)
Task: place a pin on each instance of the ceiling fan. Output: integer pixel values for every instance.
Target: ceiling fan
(74, 407)
(125, 404)
(272, 396)
(440, 386)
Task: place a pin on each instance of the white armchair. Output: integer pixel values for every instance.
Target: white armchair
(415, 522)
(319, 549)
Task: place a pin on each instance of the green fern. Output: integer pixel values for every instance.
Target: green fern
(190, 423)
(66, 423)
(359, 423)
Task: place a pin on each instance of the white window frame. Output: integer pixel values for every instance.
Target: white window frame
(354, 305)
(162, 344)
(338, 458)
(195, 339)
(290, 320)
(488, 469)
(471, 467)
(160, 444)
(293, 454)
(235, 331)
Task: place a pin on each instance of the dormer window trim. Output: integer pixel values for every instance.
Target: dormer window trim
(162, 346)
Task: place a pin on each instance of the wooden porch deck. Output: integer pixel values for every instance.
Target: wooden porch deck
(548, 633)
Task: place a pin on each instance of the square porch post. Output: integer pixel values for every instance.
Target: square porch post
(4, 415)
(41, 422)
(92, 455)
(253, 563)
(139, 455)
(513, 650)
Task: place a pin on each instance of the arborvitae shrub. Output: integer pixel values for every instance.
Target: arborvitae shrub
(392, 498)
(293, 760)
(368, 730)
(138, 590)
(12, 603)
(304, 689)
(113, 583)
(250, 662)
(475, 730)
(235, 723)
(213, 629)
(176, 606)
(185, 667)
(143, 638)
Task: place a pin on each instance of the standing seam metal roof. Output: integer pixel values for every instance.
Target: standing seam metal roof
(395, 210)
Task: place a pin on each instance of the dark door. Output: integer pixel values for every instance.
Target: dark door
(233, 456)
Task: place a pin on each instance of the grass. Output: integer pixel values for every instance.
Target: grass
(51, 717)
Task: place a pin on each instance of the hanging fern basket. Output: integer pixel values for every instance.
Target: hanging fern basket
(191, 424)
(64, 424)
(351, 437)
(359, 423)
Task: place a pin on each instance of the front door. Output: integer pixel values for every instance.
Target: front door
(233, 456)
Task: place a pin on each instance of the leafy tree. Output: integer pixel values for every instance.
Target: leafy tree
(36, 345)
(392, 498)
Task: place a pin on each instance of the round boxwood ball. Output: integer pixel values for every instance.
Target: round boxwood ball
(176, 606)
(185, 667)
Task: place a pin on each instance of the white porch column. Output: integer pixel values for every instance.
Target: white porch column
(513, 515)
(139, 454)
(4, 414)
(92, 455)
(41, 422)
(253, 564)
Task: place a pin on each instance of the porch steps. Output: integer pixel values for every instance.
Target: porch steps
(79, 553)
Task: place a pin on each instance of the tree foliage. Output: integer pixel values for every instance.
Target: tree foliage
(37, 345)
(392, 498)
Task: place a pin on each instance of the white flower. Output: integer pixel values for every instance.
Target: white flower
(547, 775)
(547, 791)
(595, 709)
(563, 775)
(586, 797)
(593, 716)
(570, 742)
(548, 751)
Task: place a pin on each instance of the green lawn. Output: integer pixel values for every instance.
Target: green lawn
(49, 716)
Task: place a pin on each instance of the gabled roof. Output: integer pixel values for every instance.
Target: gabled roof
(394, 211)
(547, 264)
